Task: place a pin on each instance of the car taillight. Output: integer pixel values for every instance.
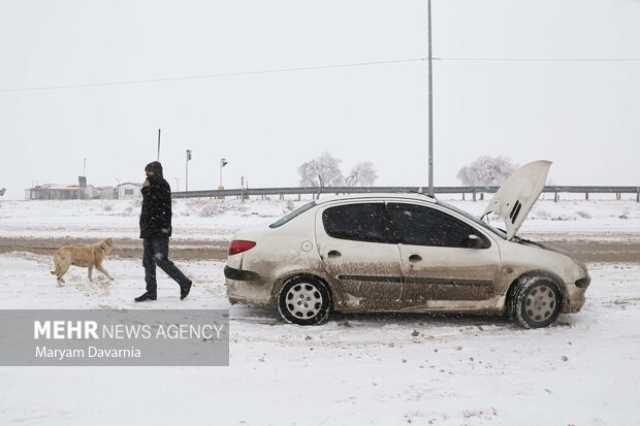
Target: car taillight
(239, 246)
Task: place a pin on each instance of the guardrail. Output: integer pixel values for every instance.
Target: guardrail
(473, 191)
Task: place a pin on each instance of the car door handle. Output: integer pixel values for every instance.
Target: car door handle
(415, 258)
(334, 253)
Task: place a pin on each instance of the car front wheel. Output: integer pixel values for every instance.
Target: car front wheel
(304, 300)
(536, 302)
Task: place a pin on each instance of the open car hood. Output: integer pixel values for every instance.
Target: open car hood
(518, 194)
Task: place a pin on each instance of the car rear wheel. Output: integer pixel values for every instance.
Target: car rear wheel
(304, 300)
(536, 302)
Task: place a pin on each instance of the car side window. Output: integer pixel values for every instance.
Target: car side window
(360, 222)
(425, 226)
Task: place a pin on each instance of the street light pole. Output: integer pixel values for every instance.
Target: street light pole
(223, 162)
(186, 167)
(430, 101)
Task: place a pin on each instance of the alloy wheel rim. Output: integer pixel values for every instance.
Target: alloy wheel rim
(541, 303)
(303, 301)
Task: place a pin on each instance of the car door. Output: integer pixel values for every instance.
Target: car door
(354, 243)
(439, 259)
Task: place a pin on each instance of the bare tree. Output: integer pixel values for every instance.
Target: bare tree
(2, 191)
(321, 171)
(486, 171)
(363, 174)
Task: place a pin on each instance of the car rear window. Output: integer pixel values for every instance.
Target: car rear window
(293, 214)
(360, 222)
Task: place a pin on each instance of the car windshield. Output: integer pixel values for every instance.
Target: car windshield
(293, 214)
(485, 225)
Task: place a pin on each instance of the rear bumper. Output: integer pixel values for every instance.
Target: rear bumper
(239, 274)
(246, 287)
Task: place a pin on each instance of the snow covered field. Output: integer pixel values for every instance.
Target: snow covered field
(374, 370)
(205, 219)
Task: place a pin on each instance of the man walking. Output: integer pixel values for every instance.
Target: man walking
(155, 230)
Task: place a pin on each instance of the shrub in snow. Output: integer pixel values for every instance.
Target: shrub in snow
(583, 214)
(211, 210)
(541, 214)
(562, 218)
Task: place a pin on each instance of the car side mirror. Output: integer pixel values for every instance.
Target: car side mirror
(474, 241)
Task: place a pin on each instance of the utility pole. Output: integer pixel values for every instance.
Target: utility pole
(158, 144)
(431, 191)
(84, 167)
(186, 177)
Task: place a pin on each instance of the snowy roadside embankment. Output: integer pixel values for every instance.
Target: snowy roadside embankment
(205, 219)
(376, 370)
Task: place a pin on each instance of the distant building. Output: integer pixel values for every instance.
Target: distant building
(128, 191)
(55, 192)
(81, 191)
(103, 192)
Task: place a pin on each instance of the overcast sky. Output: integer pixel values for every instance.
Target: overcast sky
(583, 115)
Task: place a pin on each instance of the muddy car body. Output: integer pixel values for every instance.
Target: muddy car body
(404, 253)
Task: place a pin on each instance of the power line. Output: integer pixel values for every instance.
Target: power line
(212, 76)
(316, 68)
(538, 60)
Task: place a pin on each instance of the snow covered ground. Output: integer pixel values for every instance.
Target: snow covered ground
(204, 219)
(372, 370)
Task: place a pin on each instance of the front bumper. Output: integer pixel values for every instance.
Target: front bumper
(575, 295)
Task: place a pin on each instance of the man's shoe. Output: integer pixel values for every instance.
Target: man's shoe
(184, 290)
(146, 297)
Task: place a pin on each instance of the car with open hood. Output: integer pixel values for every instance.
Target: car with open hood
(407, 253)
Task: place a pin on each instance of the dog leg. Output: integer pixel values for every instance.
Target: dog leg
(63, 270)
(90, 273)
(104, 271)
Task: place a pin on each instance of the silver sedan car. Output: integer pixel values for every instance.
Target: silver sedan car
(406, 253)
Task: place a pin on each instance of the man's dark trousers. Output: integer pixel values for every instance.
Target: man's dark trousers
(156, 252)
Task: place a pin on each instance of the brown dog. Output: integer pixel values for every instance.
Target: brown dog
(84, 256)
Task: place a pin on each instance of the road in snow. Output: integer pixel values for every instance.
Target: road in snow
(215, 220)
(372, 370)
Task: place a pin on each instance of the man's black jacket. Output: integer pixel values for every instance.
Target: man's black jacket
(155, 217)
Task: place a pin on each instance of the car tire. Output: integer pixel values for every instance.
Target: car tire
(304, 300)
(536, 302)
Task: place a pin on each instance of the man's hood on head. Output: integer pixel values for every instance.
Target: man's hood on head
(155, 167)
